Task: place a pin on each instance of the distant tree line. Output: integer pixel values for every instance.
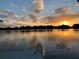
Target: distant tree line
(48, 27)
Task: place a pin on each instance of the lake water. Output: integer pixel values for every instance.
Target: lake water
(57, 44)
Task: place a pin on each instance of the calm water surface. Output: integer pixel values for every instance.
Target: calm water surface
(57, 44)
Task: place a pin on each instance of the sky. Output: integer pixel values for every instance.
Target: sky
(16, 6)
(23, 8)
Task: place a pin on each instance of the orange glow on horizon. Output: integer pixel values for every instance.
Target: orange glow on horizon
(64, 23)
(65, 20)
(55, 21)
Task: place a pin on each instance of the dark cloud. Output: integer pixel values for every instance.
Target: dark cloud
(1, 21)
(63, 10)
(77, 0)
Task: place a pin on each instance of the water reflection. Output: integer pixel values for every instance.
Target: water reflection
(62, 45)
(46, 43)
(39, 49)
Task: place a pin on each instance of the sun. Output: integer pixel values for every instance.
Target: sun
(64, 23)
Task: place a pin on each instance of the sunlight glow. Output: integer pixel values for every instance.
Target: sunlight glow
(65, 23)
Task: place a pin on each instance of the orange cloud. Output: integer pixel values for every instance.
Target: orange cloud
(57, 20)
(70, 19)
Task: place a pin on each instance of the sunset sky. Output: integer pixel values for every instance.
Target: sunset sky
(55, 12)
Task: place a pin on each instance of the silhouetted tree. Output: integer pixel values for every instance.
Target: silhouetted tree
(76, 26)
(63, 27)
